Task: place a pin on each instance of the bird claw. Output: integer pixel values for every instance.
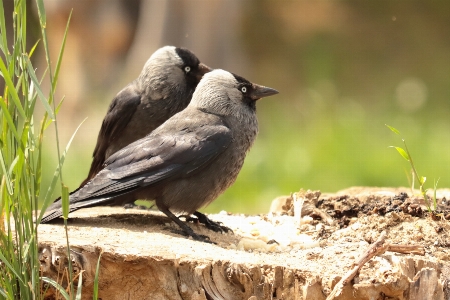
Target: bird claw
(133, 205)
(130, 205)
(195, 237)
(210, 224)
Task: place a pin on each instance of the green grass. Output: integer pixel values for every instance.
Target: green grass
(404, 152)
(21, 141)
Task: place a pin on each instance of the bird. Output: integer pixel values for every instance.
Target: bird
(188, 161)
(163, 88)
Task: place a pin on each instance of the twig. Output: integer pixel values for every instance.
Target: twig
(379, 247)
(407, 249)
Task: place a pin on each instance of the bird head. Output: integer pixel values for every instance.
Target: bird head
(225, 93)
(172, 69)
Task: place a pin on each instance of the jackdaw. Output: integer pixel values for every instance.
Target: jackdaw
(164, 87)
(187, 162)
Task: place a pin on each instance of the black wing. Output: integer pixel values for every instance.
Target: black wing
(152, 159)
(119, 113)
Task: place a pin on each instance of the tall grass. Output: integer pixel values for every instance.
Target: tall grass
(21, 140)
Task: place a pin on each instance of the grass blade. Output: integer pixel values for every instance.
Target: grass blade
(97, 273)
(6, 176)
(12, 89)
(57, 286)
(56, 175)
(402, 152)
(38, 89)
(61, 51)
(65, 201)
(392, 129)
(80, 285)
(4, 41)
(20, 154)
(2, 291)
(41, 12)
(33, 48)
(27, 248)
(58, 107)
(6, 262)
(434, 193)
(9, 118)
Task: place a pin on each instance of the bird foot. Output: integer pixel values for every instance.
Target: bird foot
(185, 229)
(210, 224)
(135, 206)
(196, 237)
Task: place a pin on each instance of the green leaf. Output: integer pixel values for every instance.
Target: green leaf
(3, 293)
(38, 89)
(33, 48)
(80, 285)
(6, 262)
(27, 248)
(59, 105)
(4, 41)
(422, 180)
(434, 193)
(65, 200)
(58, 62)
(9, 119)
(97, 273)
(402, 152)
(12, 89)
(13, 164)
(392, 129)
(41, 11)
(57, 286)
(6, 175)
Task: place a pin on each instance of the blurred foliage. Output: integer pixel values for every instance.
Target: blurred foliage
(343, 69)
(340, 80)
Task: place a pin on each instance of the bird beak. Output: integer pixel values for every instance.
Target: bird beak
(260, 91)
(202, 70)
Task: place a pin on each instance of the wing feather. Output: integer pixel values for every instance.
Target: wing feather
(152, 159)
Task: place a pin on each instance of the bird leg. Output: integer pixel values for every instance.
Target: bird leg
(210, 224)
(186, 229)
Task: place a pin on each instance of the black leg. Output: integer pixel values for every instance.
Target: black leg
(188, 230)
(210, 224)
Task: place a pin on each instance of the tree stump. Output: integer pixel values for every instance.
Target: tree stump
(267, 257)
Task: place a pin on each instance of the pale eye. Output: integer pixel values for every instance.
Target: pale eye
(187, 69)
(244, 89)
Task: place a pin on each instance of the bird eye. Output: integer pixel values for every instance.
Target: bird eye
(187, 69)
(243, 89)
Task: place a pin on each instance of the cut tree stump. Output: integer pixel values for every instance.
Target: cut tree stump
(267, 257)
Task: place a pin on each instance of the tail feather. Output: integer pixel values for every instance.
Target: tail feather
(94, 194)
(51, 215)
(55, 210)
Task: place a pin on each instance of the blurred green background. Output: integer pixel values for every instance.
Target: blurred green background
(343, 69)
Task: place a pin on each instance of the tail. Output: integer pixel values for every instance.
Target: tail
(75, 203)
(55, 210)
(95, 193)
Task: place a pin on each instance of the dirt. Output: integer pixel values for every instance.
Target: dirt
(318, 248)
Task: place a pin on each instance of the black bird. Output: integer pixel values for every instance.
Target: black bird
(164, 87)
(188, 161)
